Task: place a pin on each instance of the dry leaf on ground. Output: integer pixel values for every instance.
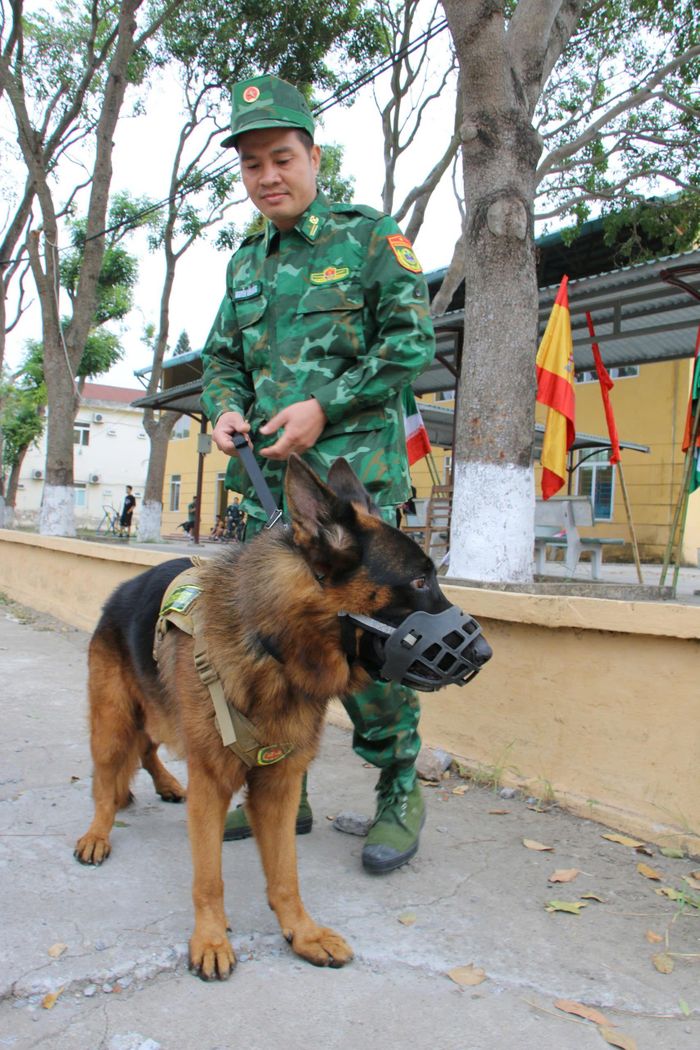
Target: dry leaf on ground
(593, 897)
(693, 882)
(572, 907)
(668, 891)
(461, 789)
(649, 873)
(619, 1039)
(564, 875)
(499, 812)
(57, 949)
(581, 1010)
(533, 844)
(467, 976)
(670, 851)
(662, 962)
(408, 918)
(49, 1000)
(623, 840)
(653, 938)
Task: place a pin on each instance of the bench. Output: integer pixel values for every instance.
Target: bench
(557, 522)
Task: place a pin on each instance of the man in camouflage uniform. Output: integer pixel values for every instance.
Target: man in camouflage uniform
(324, 321)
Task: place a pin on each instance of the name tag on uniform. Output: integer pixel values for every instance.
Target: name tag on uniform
(250, 292)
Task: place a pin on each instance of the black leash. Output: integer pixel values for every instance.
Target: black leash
(262, 489)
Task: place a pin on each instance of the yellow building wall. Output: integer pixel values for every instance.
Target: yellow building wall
(650, 409)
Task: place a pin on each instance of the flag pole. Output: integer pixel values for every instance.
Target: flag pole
(681, 510)
(628, 509)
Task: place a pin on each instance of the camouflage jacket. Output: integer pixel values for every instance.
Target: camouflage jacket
(336, 309)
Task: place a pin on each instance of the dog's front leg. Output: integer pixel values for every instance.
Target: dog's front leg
(273, 801)
(211, 954)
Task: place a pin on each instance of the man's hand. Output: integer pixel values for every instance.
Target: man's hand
(227, 425)
(301, 424)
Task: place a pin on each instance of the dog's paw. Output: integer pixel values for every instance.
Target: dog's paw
(211, 959)
(173, 794)
(320, 946)
(92, 849)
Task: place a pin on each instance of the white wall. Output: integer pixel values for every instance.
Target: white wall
(117, 454)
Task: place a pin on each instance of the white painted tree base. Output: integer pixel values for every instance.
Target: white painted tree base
(150, 516)
(492, 536)
(57, 515)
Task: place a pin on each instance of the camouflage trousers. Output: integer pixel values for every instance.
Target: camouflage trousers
(385, 715)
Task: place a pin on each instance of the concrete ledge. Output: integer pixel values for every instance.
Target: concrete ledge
(591, 702)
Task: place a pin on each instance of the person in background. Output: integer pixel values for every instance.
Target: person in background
(127, 512)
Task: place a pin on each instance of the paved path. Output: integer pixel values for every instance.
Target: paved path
(474, 894)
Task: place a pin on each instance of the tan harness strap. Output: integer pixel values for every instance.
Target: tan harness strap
(180, 607)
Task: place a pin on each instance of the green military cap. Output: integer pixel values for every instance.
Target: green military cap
(267, 102)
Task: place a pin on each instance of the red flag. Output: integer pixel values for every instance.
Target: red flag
(606, 385)
(555, 388)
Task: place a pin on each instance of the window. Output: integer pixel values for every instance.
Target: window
(175, 492)
(445, 395)
(621, 372)
(81, 433)
(596, 479)
(79, 495)
(221, 495)
(182, 427)
(447, 470)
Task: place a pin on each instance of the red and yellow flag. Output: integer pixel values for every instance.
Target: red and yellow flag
(606, 385)
(555, 388)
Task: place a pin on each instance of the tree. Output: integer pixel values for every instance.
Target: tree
(183, 345)
(66, 77)
(578, 105)
(214, 46)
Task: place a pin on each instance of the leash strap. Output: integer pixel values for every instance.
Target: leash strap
(262, 489)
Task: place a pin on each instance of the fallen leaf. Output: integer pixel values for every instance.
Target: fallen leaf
(593, 897)
(499, 812)
(619, 1039)
(120, 824)
(467, 976)
(429, 783)
(564, 875)
(57, 949)
(329, 816)
(649, 873)
(684, 1008)
(653, 938)
(461, 790)
(668, 891)
(533, 844)
(49, 1000)
(674, 854)
(407, 919)
(572, 907)
(694, 883)
(623, 840)
(695, 874)
(73, 779)
(645, 850)
(581, 1010)
(663, 962)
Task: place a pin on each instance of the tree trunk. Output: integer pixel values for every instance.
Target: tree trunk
(492, 534)
(159, 432)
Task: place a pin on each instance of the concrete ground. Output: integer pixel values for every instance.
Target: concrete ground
(95, 959)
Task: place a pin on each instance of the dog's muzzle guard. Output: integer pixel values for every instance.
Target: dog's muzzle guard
(426, 650)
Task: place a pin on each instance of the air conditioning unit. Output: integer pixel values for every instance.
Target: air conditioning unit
(37, 475)
(97, 417)
(94, 478)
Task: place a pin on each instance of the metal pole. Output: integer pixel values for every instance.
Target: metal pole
(682, 504)
(635, 545)
(200, 474)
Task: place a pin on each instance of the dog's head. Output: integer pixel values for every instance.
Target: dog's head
(382, 583)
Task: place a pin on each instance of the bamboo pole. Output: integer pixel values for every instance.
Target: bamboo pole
(628, 509)
(681, 510)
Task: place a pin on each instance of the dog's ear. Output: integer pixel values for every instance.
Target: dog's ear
(322, 524)
(346, 485)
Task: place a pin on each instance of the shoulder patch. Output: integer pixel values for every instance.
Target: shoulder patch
(403, 250)
(359, 209)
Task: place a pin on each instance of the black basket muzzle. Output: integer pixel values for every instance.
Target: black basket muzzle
(426, 650)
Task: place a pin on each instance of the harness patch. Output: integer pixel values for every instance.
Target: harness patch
(181, 599)
(267, 756)
(330, 275)
(405, 255)
(250, 292)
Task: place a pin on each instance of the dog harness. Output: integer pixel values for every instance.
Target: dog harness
(180, 608)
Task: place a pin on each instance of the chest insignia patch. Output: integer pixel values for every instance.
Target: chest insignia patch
(330, 274)
(240, 294)
(403, 250)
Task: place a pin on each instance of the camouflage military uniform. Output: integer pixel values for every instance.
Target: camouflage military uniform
(337, 309)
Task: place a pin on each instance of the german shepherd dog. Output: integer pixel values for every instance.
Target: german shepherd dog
(270, 614)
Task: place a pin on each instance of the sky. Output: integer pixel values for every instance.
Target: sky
(142, 153)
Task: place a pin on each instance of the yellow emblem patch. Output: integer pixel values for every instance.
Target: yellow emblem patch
(330, 274)
(403, 250)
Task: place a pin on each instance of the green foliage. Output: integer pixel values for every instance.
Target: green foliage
(226, 41)
(23, 400)
(335, 185)
(183, 345)
(654, 228)
(648, 146)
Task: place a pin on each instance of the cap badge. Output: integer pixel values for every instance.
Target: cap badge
(251, 94)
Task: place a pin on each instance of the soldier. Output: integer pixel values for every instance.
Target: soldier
(324, 321)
